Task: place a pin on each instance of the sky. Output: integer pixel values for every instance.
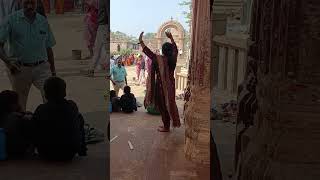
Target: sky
(133, 16)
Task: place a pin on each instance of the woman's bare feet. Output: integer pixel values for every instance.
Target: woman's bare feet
(176, 124)
(162, 129)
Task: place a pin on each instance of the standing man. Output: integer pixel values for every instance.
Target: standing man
(100, 46)
(31, 60)
(118, 77)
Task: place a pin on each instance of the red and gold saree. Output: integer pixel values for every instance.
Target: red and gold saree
(161, 86)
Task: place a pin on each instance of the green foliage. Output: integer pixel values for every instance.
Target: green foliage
(149, 35)
(120, 36)
(114, 53)
(188, 13)
(125, 52)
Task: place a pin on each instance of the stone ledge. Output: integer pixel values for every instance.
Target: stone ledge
(235, 41)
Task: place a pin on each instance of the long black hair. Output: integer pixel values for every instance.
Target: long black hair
(55, 89)
(167, 51)
(112, 94)
(127, 90)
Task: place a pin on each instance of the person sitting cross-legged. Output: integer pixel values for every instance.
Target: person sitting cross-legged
(115, 101)
(128, 101)
(58, 126)
(16, 124)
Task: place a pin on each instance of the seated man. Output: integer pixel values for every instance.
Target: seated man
(128, 101)
(58, 125)
(16, 125)
(115, 101)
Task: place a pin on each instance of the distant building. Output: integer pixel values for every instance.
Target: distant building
(117, 45)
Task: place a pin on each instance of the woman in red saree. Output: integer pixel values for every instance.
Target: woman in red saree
(161, 83)
(138, 66)
(91, 24)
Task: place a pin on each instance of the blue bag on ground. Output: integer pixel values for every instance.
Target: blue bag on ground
(3, 153)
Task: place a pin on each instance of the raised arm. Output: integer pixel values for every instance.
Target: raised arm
(169, 35)
(145, 49)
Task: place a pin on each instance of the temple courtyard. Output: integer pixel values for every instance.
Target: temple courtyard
(154, 155)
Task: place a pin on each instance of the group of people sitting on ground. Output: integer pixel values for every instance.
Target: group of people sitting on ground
(55, 131)
(127, 103)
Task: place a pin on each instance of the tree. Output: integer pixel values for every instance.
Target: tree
(188, 13)
(125, 52)
(149, 35)
(188, 16)
(120, 36)
(114, 53)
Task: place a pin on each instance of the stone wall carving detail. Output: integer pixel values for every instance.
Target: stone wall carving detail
(284, 34)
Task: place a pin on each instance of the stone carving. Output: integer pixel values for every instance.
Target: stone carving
(177, 31)
(197, 108)
(283, 140)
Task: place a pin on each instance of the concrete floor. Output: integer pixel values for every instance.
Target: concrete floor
(224, 134)
(156, 156)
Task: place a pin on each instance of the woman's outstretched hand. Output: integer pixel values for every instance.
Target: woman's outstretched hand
(140, 37)
(169, 35)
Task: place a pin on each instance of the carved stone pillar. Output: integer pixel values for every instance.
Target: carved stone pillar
(222, 68)
(231, 70)
(197, 109)
(241, 66)
(284, 144)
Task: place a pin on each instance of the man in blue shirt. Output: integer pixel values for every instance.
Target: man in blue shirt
(31, 59)
(118, 77)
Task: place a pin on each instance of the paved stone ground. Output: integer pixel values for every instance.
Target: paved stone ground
(88, 93)
(224, 135)
(156, 156)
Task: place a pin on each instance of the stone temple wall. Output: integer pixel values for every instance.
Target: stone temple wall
(283, 141)
(197, 108)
